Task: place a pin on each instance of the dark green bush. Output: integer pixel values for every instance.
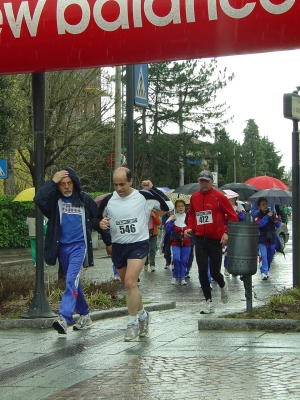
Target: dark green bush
(13, 228)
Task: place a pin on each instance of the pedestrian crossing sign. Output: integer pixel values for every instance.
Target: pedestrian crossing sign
(3, 169)
(141, 85)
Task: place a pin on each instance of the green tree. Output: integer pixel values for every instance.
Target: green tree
(272, 159)
(252, 153)
(184, 93)
(181, 94)
(75, 123)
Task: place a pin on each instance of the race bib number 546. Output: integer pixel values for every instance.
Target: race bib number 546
(204, 217)
(127, 226)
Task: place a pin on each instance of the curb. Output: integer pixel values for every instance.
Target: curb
(45, 323)
(249, 324)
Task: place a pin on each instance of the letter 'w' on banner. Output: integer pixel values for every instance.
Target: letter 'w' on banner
(141, 85)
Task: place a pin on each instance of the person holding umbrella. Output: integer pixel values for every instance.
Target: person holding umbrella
(208, 210)
(267, 222)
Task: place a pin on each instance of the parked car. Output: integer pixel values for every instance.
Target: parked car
(283, 234)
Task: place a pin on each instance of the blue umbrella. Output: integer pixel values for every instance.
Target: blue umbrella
(274, 196)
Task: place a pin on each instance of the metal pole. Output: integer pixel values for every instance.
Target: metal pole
(129, 117)
(39, 307)
(247, 279)
(234, 166)
(295, 205)
(118, 117)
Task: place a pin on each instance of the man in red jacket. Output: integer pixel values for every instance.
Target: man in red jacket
(208, 208)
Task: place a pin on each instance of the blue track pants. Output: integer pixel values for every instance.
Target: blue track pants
(71, 257)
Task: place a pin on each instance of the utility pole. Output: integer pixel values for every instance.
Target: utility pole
(118, 117)
(181, 157)
(216, 165)
(129, 117)
(234, 166)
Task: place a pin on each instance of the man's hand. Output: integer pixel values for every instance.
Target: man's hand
(224, 239)
(109, 250)
(104, 223)
(147, 185)
(60, 175)
(174, 218)
(187, 233)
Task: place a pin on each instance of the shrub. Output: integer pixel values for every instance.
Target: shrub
(13, 228)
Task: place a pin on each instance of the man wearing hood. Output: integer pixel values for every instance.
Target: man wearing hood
(69, 236)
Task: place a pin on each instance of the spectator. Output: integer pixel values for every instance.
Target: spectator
(267, 222)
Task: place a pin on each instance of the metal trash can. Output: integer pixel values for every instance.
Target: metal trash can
(242, 250)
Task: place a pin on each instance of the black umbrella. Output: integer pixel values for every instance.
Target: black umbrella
(274, 196)
(191, 188)
(243, 189)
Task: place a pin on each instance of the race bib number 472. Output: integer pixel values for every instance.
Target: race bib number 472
(204, 217)
(127, 226)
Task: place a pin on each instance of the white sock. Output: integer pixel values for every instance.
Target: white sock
(132, 320)
(142, 314)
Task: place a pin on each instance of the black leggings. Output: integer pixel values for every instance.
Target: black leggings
(211, 248)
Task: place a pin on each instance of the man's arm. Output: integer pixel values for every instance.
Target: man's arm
(150, 192)
(96, 221)
(45, 197)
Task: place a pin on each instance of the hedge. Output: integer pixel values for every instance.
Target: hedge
(13, 227)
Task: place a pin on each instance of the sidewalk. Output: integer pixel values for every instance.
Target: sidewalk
(177, 361)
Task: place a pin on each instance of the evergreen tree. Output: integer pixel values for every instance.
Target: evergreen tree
(252, 153)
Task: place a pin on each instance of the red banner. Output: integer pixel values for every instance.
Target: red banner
(46, 35)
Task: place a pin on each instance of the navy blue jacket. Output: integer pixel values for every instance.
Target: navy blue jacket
(47, 199)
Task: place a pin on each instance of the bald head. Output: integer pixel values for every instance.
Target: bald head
(124, 172)
(122, 179)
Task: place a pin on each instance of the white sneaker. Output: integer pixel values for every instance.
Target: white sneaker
(60, 325)
(152, 268)
(183, 283)
(208, 308)
(174, 281)
(132, 331)
(226, 273)
(83, 322)
(264, 277)
(146, 268)
(144, 325)
(224, 294)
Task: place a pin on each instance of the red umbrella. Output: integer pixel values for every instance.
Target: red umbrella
(266, 182)
(98, 199)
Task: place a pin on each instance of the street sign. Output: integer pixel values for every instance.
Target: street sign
(3, 169)
(291, 106)
(141, 85)
(215, 175)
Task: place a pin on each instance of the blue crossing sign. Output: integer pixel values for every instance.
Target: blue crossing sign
(141, 85)
(3, 169)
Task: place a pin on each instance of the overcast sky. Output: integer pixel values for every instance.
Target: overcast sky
(257, 92)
